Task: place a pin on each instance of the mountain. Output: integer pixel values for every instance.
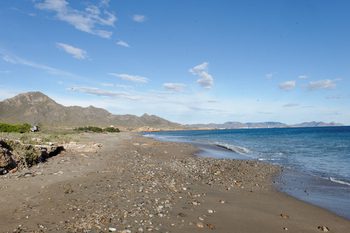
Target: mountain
(270, 124)
(35, 107)
(316, 124)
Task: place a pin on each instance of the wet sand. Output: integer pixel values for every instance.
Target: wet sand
(138, 184)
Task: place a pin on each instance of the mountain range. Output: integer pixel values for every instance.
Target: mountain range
(270, 124)
(36, 107)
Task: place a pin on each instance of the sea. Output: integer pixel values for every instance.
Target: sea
(316, 161)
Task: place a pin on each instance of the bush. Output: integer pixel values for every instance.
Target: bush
(14, 128)
(111, 130)
(97, 129)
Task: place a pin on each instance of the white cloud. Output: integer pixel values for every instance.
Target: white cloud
(81, 20)
(131, 78)
(197, 69)
(270, 74)
(287, 86)
(105, 93)
(175, 87)
(335, 96)
(303, 76)
(291, 105)
(76, 52)
(4, 72)
(17, 60)
(139, 18)
(323, 84)
(117, 85)
(205, 80)
(104, 3)
(123, 43)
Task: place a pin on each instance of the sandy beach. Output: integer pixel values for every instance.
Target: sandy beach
(137, 184)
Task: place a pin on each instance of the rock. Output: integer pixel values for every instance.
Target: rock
(210, 211)
(211, 226)
(222, 202)
(283, 216)
(69, 191)
(200, 224)
(323, 228)
(180, 215)
(111, 229)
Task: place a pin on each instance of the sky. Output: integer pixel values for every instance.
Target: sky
(188, 61)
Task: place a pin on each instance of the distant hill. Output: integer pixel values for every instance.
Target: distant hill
(239, 125)
(35, 107)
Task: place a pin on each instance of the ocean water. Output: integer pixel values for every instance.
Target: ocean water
(319, 158)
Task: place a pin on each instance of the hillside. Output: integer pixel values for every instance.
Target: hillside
(35, 107)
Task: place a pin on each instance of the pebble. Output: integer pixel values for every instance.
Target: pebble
(200, 224)
(323, 228)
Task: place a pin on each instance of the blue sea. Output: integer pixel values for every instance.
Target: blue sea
(316, 160)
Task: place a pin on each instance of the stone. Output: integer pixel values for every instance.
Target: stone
(211, 226)
(200, 224)
(323, 228)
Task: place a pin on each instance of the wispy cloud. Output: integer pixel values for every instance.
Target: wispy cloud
(131, 78)
(4, 72)
(287, 86)
(175, 87)
(76, 52)
(105, 93)
(291, 105)
(323, 84)
(17, 60)
(270, 75)
(335, 96)
(303, 76)
(264, 113)
(123, 43)
(104, 3)
(117, 85)
(82, 20)
(205, 80)
(139, 18)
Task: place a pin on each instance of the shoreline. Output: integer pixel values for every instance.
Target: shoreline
(138, 184)
(315, 190)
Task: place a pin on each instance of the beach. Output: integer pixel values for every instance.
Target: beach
(138, 184)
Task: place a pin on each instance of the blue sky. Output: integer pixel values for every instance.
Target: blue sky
(191, 61)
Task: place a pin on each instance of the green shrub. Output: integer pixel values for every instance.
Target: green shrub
(111, 130)
(97, 129)
(14, 128)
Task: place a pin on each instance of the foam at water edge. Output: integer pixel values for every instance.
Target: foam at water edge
(338, 181)
(238, 149)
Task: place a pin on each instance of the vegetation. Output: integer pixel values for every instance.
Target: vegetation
(14, 128)
(97, 129)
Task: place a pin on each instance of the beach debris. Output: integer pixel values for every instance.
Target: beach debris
(111, 229)
(210, 211)
(211, 226)
(284, 216)
(200, 224)
(69, 191)
(200, 218)
(323, 228)
(196, 202)
(285, 228)
(180, 215)
(222, 201)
